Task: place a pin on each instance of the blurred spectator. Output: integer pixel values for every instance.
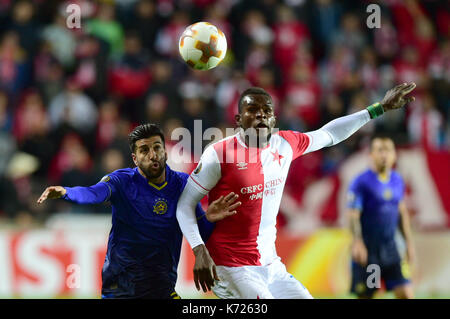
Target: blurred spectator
(5, 114)
(166, 42)
(146, 23)
(425, 124)
(14, 71)
(289, 34)
(24, 25)
(162, 85)
(129, 76)
(227, 95)
(408, 68)
(61, 39)
(265, 77)
(48, 73)
(155, 108)
(64, 158)
(337, 67)
(385, 40)
(91, 66)
(258, 56)
(324, 17)
(303, 92)
(368, 69)
(9, 203)
(439, 62)
(107, 126)
(425, 39)
(32, 131)
(105, 27)
(350, 33)
(74, 108)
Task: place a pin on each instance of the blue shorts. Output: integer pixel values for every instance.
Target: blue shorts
(393, 276)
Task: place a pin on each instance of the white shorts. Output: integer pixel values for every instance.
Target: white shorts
(258, 282)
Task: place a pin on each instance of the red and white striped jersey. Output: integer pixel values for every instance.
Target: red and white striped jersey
(258, 176)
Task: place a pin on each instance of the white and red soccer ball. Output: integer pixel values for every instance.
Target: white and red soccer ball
(202, 46)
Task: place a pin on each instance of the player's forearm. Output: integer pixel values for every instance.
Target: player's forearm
(205, 226)
(405, 226)
(337, 130)
(95, 194)
(186, 215)
(355, 225)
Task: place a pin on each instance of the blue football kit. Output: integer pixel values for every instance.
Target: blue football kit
(378, 202)
(145, 240)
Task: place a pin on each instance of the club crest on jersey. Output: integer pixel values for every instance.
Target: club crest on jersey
(199, 168)
(105, 179)
(387, 194)
(160, 207)
(241, 165)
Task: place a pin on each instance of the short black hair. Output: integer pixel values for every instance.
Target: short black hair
(144, 131)
(381, 136)
(252, 90)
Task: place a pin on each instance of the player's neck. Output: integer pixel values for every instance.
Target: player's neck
(383, 174)
(154, 180)
(256, 143)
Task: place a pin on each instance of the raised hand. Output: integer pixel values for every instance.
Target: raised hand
(222, 207)
(396, 97)
(52, 192)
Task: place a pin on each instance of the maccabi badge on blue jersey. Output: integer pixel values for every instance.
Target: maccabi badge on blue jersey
(160, 206)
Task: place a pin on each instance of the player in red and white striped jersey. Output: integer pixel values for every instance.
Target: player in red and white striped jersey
(254, 164)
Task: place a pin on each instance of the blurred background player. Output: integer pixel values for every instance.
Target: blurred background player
(145, 240)
(254, 163)
(380, 224)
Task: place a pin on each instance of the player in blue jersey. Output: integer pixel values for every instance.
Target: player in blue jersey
(380, 226)
(145, 239)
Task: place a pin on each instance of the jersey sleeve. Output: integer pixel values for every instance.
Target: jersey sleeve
(355, 196)
(94, 194)
(204, 225)
(207, 173)
(299, 142)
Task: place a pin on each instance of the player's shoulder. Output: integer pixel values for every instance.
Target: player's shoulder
(122, 174)
(396, 176)
(216, 150)
(222, 143)
(288, 134)
(180, 176)
(291, 137)
(362, 177)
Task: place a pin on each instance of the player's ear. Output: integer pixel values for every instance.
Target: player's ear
(133, 156)
(237, 118)
(272, 121)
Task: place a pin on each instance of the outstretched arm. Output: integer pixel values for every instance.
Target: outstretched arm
(343, 127)
(95, 194)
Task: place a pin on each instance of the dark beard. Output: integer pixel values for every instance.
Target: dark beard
(149, 175)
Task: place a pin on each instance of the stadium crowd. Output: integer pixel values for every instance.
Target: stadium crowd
(69, 97)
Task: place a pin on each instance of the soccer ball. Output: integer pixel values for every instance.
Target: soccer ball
(202, 46)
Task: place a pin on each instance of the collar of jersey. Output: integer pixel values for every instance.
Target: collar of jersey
(238, 137)
(379, 178)
(152, 184)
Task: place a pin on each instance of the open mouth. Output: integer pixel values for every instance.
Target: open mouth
(155, 165)
(262, 125)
